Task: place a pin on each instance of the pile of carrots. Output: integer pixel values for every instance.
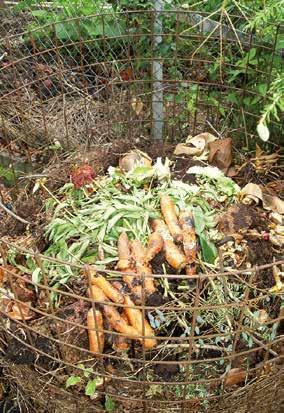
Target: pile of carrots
(175, 235)
(131, 323)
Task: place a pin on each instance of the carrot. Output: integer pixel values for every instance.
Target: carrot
(138, 252)
(97, 294)
(159, 226)
(101, 282)
(96, 338)
(189, 236)
(155, 245)
(139, 256)
(174, 255)
(118, 323)
(135, 318)
(124, 253)
(190, 270)
(113, 317)
(169, 213)
(133, 283)
(120, 343)
(108, 289)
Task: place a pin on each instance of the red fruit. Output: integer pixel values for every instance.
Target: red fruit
(126, 74)
(82, 175)
(265, 236)
(48, 83)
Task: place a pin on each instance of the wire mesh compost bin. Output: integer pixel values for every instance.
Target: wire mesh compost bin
(79, 84)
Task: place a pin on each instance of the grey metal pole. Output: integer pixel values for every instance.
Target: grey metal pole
(157, 74)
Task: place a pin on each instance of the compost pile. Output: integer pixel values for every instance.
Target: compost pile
(108, 235)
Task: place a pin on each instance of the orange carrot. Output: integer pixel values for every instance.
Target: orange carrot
(96, 338)
(120, 343)
(155, 245)
(139, 256)
(174, 255)
(189, 236)
(124, 253)
(118, 323)
(97, 294)
(108, 289)
(190, 270)
(103, 284)
(133, 283)
(113, 317)
(169, 213)
(135, 318)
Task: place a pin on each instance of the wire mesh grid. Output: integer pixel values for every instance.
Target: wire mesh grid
(146, 376)
(91, 80)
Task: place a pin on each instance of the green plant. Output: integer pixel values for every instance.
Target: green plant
(85, 380)
(8, 175)
(109, 404)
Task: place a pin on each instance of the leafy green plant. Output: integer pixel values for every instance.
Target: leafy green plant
(8, 175)
(109, 404)
(85, 380)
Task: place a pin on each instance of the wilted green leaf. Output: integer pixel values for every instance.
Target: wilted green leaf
(109, 404)
(91, 387)
(72, 380)
(209, 251)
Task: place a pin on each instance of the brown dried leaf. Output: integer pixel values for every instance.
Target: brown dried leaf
(220, 154)
(235, 376)
(272, 203)
(137, 105)
(183, 149)
(195, 146)
(19, 309)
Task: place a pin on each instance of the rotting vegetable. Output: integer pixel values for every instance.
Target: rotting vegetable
(142, 267)
(173, 254)
(169, 213)
(95, 331)
(186, 222)
(135, 318)
(104, 285)
(154, 246)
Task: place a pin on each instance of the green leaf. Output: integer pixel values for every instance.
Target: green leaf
(87, 372)
(109, 404)
(36, 276)
(199, 221)
(72, 380)
(209, 251)
(91, 387)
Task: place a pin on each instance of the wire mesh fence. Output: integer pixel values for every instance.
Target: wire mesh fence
(191, 369)
(74, 82)
(77, 74)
